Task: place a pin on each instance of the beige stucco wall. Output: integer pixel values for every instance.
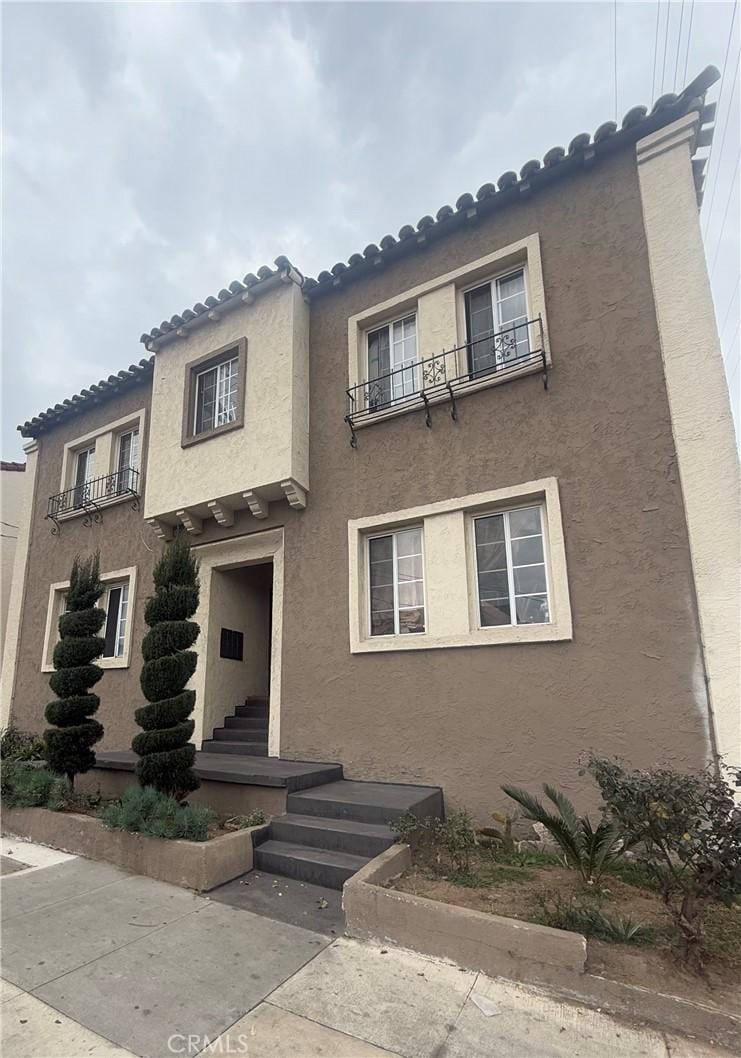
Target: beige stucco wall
(11, 504)
(272, 445)
(702, 424)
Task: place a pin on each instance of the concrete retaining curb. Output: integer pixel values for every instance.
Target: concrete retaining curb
(521, 951)
(199, 865)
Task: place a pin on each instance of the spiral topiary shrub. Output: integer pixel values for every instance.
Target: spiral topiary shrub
(69, 743)
(166, 755)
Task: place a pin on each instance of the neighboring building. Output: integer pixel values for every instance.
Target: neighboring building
(11, 504)
(465, 506)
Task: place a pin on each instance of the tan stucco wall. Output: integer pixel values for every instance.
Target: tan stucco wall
(707, 458)
(630, 682)
(272, 444)
(123, 540)
(11, 503)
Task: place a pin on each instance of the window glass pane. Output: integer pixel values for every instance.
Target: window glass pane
(527, 550)
(123, 613)
(493, 585)
(411, 593)
(480, 314)
(525, 522)
(403, 355)
(511, 286)
(381, 548)
(206, 400)
(409, 568)
(382, 597)
(226, 393)
(381, 578)
(494, 612)
(124, 451)
(409, 542)
(411, 621)
(532, 609)
(111, 624)
(529, 580)
(382, 623)
(491, 556)
(490, 529)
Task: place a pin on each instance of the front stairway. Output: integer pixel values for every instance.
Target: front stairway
(331, 831)
(246, 732)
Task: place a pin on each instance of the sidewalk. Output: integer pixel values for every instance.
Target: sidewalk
(100, 963)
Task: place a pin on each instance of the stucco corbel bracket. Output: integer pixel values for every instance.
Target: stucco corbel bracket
(224, 515)
(295, 495)
(161, 530)
(258, 506)
(192, 522)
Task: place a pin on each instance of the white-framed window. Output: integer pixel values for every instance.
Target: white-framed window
(84, 474)
(511, 567)
(496, 322)
(396, 593)
(127, 462)
(119, 587)
(216, 396)
(392, 361)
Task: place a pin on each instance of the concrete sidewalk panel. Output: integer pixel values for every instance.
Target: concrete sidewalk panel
(394, 999)
(63, 881)
(195, 977)
(31, 1029)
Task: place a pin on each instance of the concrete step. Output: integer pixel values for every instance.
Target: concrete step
(254, 749)
(239, 734)
(260, 708)
(247, 723)
(341, 835)
(367, 802)
(317, 866)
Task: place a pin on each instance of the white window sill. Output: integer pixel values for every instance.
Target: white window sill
(501, 635)
(103, 663)
(441, 395)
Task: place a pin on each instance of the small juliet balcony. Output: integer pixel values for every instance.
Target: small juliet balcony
(90, 497)
(515, 350)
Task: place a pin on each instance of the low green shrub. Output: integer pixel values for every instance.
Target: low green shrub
(453, 838)
(143, 810)
(20, 745)
(25, 787)
(582, 915)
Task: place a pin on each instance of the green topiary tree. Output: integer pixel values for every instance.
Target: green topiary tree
(69, 743)
(166, 754)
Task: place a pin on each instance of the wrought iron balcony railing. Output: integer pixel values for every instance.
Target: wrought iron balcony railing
(92, 495)
(506, 354)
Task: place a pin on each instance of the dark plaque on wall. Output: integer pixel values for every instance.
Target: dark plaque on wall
(232, 644)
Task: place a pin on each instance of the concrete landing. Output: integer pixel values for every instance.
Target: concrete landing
(225, 767)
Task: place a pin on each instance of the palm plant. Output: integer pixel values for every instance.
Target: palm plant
(585, 849)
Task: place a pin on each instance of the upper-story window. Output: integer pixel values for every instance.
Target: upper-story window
(84, 474)
(497, 323)
(214, 393)
(511, 568)
(392, 360)
(127, 464)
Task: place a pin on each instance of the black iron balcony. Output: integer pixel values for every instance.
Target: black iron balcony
(512, 351)
(91, 495)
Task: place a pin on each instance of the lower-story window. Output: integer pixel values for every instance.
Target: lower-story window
(510, 568)
(116, 605)
(119, 591)
(396, 583)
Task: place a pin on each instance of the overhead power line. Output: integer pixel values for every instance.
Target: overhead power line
(734, 292)
(725, 213)
(720, 95)
(614, 53)
(679, 41)
(689, 38)
(729, 109)
(656, 50)
(666, 41)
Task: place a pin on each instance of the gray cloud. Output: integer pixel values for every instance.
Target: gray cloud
(154, 152)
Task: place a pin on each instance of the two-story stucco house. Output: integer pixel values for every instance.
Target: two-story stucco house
(465, 506)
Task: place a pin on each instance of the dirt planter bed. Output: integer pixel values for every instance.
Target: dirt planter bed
(507, 947)
(199, 865)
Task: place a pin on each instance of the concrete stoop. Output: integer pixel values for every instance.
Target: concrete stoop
(330, 832)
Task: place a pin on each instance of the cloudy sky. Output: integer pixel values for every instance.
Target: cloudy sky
(154, 152)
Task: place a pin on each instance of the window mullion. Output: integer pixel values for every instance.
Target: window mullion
(510, 570)
(395, 574)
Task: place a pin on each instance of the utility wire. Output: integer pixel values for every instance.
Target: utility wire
(656, 51)
(666, 41)
(722, 145)
(689, 38)
(614, 54)
(738, 358)
(725, 213)
(734, 292)
(679, 41)
(720, 95)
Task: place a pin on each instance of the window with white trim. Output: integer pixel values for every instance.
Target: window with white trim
(511, 572)
(392, 361)
(84, 474)
(127, 463)
(115, 602)
(216, 396)
(396, 583)
(496, 321)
